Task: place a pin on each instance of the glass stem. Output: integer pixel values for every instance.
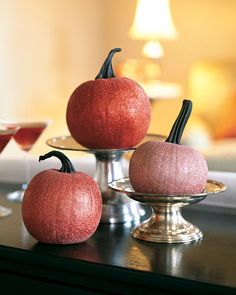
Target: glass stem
(26, 171)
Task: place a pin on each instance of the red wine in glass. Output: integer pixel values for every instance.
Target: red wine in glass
(26, 136)
(28, 133)
(5, 136)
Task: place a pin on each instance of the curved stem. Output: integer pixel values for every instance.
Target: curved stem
(180, 123)
(106, 69)
(67, 166)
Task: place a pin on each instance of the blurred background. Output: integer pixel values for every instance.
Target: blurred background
(49, 47)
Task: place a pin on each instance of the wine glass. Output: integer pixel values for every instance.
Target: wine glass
(5, 136)
(26, 136)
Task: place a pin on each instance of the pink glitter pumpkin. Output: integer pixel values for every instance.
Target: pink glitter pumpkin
(168, 167)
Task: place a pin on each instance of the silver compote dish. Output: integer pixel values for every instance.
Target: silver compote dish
(166, 224)
(117, 207)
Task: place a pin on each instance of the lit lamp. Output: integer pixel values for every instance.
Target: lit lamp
(153, 22)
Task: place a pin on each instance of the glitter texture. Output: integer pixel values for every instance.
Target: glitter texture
(62, 208)
(108, 113)
(167, 168)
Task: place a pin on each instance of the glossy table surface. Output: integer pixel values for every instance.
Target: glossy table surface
(111, 261)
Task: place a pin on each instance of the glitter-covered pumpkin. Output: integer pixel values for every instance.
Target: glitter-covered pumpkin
(108, 112)
(61, 206)
(168, 167)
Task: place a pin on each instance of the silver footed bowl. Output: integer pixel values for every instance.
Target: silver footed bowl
(117, 207)
(166, 224)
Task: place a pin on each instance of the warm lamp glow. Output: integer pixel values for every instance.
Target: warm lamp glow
(153, 22)
(153, 49)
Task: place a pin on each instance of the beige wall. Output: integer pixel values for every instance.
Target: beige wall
(207, 30)
(49, 47)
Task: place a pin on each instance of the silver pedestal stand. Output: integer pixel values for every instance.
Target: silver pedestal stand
(117, 207)
(166, 224)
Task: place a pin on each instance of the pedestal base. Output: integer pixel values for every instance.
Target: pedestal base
(153, 232)
(166, 225)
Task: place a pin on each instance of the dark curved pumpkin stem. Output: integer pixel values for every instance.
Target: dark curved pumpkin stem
(67, 166)
(180, 123)
(106, 69)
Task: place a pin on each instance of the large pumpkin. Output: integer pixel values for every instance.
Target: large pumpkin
(61, 206)
(108, 112)
(168, 167)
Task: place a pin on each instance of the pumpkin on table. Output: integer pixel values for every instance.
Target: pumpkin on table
(169, 167)
(108, 112)
(61, 206)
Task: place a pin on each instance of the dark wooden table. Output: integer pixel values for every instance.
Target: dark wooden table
(112, 262)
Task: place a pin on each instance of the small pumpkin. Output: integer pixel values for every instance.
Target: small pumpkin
(169, 167)
(61, 206)
(108, 112)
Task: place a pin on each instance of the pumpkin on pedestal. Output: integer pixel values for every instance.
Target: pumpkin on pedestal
(168, 167)
(108, 112)
(61, 206)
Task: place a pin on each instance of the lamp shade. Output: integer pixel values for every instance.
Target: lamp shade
(153, 21)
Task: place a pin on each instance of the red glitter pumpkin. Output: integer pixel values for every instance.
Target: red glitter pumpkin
(108, 112)
(168, 167)
(61, 206)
